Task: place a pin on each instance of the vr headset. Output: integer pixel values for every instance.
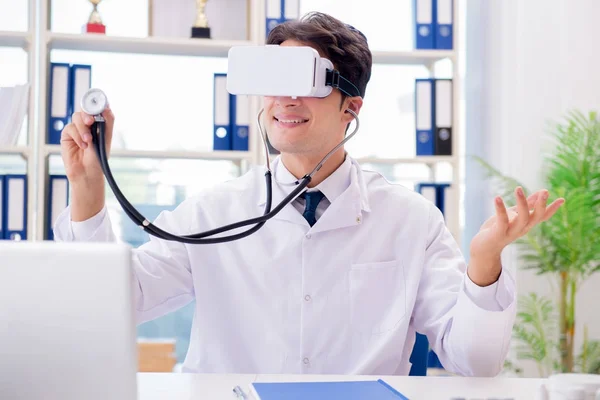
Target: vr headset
(291, 71)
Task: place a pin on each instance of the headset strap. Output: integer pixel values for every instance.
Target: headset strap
(334, 79)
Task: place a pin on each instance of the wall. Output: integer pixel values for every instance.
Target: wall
(527, 63)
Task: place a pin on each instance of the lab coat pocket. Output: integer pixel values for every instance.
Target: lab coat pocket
(377, 296)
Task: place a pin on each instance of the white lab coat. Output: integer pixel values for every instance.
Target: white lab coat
(342, 297)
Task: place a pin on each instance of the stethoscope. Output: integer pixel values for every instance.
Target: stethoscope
(94, 102)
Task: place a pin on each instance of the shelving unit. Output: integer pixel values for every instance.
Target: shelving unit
(417, 57)
(188, 155)
(151, 45)
(15, 39)
(27, 41)
(19, 150)
(39, 41)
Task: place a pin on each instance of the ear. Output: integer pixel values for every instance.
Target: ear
(354, 104)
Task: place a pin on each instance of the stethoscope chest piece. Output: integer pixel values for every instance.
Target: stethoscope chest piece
(94, 102)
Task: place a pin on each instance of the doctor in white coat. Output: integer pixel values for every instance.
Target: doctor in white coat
(340, 280)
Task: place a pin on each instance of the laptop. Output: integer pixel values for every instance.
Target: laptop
(67, 326)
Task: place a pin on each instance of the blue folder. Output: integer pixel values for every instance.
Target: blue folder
(351, 390)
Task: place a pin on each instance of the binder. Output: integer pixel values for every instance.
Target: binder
(443, 117)
(442, 190)
(221, 114)
(58, 200)
(59, 105)
(444, 24)
(240, 122)
(424, 35)
(15, 205)
(346, 390)
(2, 208)
(291, 10)
(428, 190)
(80, 80)
(434, 192)
(424, 116)
(274, 14)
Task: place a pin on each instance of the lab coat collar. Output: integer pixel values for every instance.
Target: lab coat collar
(345, 189)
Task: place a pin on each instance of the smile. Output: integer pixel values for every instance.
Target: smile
(290, 122)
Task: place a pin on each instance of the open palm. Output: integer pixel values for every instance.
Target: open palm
(510, 224)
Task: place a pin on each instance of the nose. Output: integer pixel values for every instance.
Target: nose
(287, 101)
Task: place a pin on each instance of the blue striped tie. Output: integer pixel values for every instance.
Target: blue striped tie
(312, 200)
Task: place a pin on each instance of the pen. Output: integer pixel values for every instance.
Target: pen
(239, 393)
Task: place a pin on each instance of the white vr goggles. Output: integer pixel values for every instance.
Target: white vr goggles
(291, 71)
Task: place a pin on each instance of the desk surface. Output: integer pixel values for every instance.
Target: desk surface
(167, 386)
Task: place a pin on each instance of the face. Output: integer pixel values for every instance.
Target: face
(307, 125)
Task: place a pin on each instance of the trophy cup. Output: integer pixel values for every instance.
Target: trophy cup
(201, 28)
(94, 24)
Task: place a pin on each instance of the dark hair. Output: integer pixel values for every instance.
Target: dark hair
(345, 46)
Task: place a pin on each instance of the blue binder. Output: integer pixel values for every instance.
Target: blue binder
(435, 192)
(423, 22)
(444, 13)
(58, 200)
(14, 194)
(59, 104)
(221, 114)
(240, 122)
(350, 390)
(425, 116)
(274, 14)
(80, 80)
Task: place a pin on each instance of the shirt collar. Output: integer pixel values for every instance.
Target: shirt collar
(332, 187)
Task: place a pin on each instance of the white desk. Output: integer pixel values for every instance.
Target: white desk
(159, 386)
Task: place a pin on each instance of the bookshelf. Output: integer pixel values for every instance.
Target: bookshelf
(150, 45)
(15, 39)
(186, 155)
(39, 40)
(26, 40)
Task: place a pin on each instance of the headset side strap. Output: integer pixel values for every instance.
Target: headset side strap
(334, 79)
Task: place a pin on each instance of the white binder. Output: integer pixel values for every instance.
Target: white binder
(16, 207)
(58, 199)
(291, 10)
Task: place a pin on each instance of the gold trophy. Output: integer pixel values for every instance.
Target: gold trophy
(94, 24)
(201, 28)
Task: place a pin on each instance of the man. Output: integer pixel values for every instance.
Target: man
(340, 280)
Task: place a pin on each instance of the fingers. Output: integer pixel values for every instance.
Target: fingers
(539, 210)
(531, 200)
(76, 131)
(501, 214)
(110, 122)
(69, 133)
(82, 124)
(552, 209)
(519, 223)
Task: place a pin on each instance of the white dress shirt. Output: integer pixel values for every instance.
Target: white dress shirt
(345, 296)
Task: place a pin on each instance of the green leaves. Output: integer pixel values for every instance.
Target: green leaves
(567, 241)
(567, 244)
(535, 330)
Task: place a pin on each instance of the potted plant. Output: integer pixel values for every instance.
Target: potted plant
(565, 248)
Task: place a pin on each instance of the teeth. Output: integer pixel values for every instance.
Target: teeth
(292, 121)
